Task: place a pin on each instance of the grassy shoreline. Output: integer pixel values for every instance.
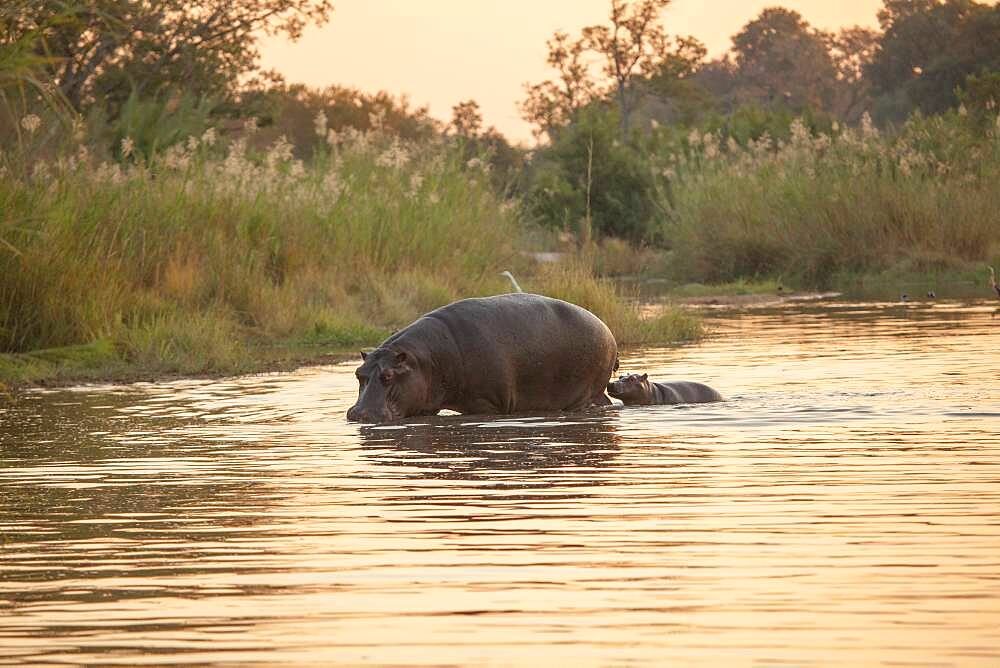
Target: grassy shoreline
(100, 362)
(889, 285)
(209, 259)
(97, 363)
(212, 260)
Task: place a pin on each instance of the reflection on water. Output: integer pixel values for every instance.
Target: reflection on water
(842, 506)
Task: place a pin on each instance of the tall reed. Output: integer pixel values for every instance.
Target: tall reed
(189, 259)
(856, 200)
(260, 241)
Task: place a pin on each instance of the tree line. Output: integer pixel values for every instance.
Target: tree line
(100, 53)
(924, 56)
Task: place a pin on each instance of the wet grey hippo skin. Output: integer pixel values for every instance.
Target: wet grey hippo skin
(505, 354)
(636, 390)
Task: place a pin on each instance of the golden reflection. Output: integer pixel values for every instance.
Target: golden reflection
(841, 506)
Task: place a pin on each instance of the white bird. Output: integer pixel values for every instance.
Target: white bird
(517, 288)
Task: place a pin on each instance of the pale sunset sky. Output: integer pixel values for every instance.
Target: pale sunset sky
(440, 52)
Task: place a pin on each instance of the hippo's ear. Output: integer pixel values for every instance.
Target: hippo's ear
(364, 356)
(645, 376)
(401, 359)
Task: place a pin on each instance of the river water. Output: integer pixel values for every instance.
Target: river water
(842, 507)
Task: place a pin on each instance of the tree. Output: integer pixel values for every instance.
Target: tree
(627, 61)
(633, 44)
(852, 50)
(104, 50)
(590, 180)
(298, 112)
(680, 62)
(552, 104)
(718, 77)
(672, 93)
(928, 49)
(466, 119)
(781, 58)
(981, 95)
(914, 33)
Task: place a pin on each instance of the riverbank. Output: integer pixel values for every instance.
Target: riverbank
(100, 362)
(970, 283)
(675, 321)
(652, 273)
(206, 260)
(106, 361)
(211, 259)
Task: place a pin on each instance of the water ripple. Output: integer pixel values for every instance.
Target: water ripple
(841, 506)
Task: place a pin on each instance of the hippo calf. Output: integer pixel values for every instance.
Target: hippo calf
(636, 390)
(506, 354)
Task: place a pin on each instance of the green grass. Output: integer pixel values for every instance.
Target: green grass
(214, 261)
(739, 287)
(52, 363)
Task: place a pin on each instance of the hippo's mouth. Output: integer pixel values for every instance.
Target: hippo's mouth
(356, 414)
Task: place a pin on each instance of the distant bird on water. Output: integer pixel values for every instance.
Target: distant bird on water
(513, 282)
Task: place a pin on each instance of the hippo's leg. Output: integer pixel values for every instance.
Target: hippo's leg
(600, 400)
(481, 406)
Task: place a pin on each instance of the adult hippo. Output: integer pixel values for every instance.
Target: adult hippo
(636, 390)
(505, 354)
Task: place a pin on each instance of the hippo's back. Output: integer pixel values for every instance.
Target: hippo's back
(524, 352)
(688, 392)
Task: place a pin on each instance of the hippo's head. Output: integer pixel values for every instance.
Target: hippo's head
(390, 387)
(631, 388)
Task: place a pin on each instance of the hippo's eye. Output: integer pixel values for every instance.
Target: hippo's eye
(386, 377)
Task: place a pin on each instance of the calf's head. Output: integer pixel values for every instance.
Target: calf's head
(630, 388)
(390, 387)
